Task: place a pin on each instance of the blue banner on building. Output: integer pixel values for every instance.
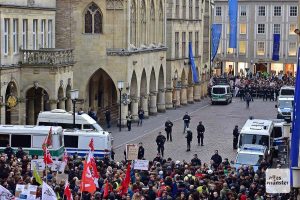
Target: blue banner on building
(276, 47)
(216, 31)
(233, 14)
(193, 66)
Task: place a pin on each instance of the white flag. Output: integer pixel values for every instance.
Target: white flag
(48, 193)
(5, 194)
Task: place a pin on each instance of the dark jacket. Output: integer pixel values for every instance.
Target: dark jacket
(186, 118)
(189, 136)
(200, 128)
(141, 153)
(217, 159)
(168, 126)
(160, 140)
(236, 132)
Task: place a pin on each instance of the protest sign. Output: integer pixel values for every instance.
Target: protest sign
(132, 151)
(278, 181)
(25, 192)
(38, 163)
(141, 164)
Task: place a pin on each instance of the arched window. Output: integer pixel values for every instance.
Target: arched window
(93, 19)
(143, 30)
(133, 23)
(152, 23)
(161, 22)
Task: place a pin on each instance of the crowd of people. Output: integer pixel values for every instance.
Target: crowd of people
(166, 179)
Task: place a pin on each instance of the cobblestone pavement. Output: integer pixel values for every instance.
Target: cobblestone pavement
(219, 121)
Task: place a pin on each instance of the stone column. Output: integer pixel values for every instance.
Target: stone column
(124, 113)
(183, 97)
(2, 114)
(22, 112)
(30, 112)
(202, 91)
(197, 92)
(134, 108)
(169, 100)
(161, 102)
(53, 104)
(177, 93)
(190, 94)
(144, 105)
(153, 104)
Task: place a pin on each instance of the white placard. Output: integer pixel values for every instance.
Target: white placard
(141, 164)
(25, 192)
(132, 151)
(38, 163)
(58, 166)
(278, 181)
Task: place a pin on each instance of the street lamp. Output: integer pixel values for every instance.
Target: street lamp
(74, 96)
(120, 87)
(296, 180)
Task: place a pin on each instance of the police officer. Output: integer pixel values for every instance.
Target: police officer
(189, 138)
(168, 129)
(160, 141)
(200, 133)
(235, 136)
(186, 119)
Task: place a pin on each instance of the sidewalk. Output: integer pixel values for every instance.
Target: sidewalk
(153, 123)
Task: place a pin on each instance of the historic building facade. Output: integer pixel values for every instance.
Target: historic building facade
(34, 76)
(188, 21)
(257, 22)
(116, 40)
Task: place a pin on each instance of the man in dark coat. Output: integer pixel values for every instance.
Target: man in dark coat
(141, 151)
(160, 141)
(168, 129)
(200, 133)
(235, 136)
(107, 118)
(217, 159)
(189, 138)
(8, 151)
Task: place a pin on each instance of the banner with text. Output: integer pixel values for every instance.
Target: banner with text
(278, 181)
(141, 164)
(27, 192)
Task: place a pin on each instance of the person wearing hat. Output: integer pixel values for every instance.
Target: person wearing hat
(189, 138)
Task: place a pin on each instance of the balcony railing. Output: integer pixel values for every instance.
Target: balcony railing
(53, 57)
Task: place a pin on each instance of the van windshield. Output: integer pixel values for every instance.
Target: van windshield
(218, 90)
(287, 92)
(254, 139)
(249, 159)
(285, 104)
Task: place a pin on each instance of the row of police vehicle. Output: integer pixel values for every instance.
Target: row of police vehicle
(65, 137)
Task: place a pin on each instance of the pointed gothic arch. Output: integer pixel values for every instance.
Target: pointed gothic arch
(93, 19)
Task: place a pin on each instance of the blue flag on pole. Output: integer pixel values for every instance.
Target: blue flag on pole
(192, 61)
(233, 13)
(216, 31)
(276, 47)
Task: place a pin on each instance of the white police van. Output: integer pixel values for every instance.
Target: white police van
(284, 107)
(287, 91)
(221, 93)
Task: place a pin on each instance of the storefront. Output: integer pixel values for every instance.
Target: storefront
(290, 69)
(229, 68)
(276, 68)
(242, 66)
(261, 67)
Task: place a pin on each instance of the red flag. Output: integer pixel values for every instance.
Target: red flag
(47, 156)
(91, 145)
(67, 191)
(107, 189)
(93, 165)
(126, 182)
(48, 140)
(87, 182)
(65, 157)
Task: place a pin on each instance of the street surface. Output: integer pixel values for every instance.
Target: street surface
(219, 121)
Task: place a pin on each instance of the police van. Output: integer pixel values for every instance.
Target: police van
(221, 93)
(284, 107)
(257, 131)
(31, 138)
(287, 91)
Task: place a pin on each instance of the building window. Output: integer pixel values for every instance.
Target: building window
(243, 11)
(242, 47)
(43, 35)
(218, 11)
(292, 29)
(293, 11)
(176, 44)
(6, 36)
(24, 34)
(50, 34)
(260, 48)
(243, 29)
(229, 50)
(197, 10)
(277, 10)
(184, 9)
(196, 43)
(190, 9)
(183, 45)
(15, 35)
(34, 32)
(93, 19)
(133, 20)
(261, 10)
(261, 28)
(276, 29)
(190, 36)
(292, 49)
(143, 21)
(177, 8)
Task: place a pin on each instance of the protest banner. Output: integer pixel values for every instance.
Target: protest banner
(132, 151)
(278, 181)
(25, 192)
(38, 163)
(141, 164)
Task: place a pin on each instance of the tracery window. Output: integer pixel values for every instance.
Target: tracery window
(152, 22)
(133, 23)
(143, 22)
(93, 19)
(161, 22)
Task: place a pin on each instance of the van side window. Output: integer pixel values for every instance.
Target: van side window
(63, 125)
(88, 126)
(71, 141)
(4, 140)
(277, 132)
(21, 141)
